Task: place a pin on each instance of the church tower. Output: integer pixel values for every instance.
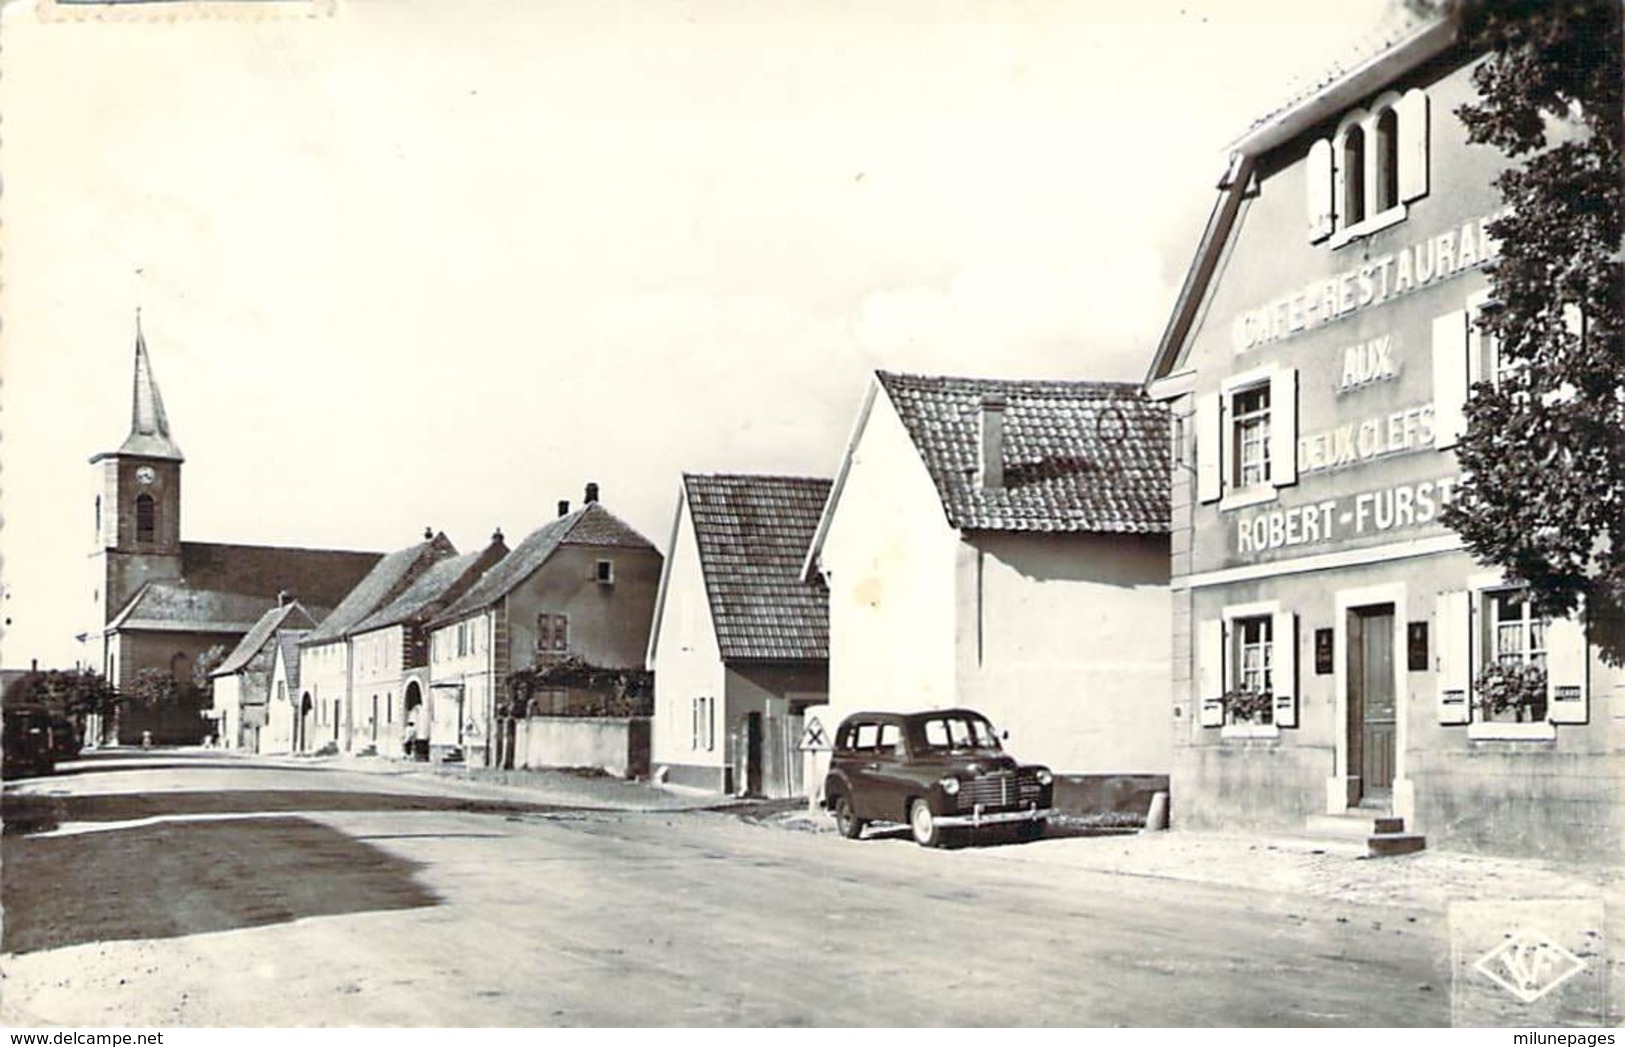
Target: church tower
(137, 507)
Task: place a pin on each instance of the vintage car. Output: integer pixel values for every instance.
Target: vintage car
(30, 742)
(937, 772)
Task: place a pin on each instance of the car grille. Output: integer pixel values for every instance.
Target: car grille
(998, 790)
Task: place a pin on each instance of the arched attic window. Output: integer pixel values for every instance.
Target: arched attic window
(1386, 159)
(146, 518)
(1352, 164)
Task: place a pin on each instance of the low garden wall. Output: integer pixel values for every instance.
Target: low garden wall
(618, 745)
(1096, 794)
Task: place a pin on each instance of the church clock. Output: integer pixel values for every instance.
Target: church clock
(145, 475)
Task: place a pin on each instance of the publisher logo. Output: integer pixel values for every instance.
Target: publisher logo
(1529, 965)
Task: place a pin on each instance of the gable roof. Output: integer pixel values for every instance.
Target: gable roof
(291, 615)
(1404, 44)
(287, 644)
(752, 533)
(1078, 456)
(442, 583)
(591, 525)
(174, 606)
(382, 584)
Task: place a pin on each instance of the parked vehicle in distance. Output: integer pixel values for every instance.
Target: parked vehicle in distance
(937, 772)
(30, 745)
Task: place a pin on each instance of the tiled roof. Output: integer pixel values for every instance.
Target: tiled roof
(1397, 24)
(290, 615)
(591, 525)
(382, 584)
(435, 588)
(176, 606)
(288, 643)
(1078, 456)
(753, 532)
(314, 577)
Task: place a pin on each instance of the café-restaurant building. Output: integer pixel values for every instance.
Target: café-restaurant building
(1332, 638)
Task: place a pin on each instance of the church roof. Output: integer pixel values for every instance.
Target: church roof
(314, 577)
(393, 574)
(175, 606)
(149, 425)
(257, 640)
(591, 525)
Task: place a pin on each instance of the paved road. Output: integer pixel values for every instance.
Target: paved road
(220, 892)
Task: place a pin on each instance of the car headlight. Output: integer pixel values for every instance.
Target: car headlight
(950, 786)
(1044, 777)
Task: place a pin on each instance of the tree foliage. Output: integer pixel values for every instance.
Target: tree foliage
(205, 664)
(1543, 459)
(67, 693)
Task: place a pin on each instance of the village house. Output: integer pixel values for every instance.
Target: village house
(1003, 545)
(1331, 637)
(158, 602)
(327, 660)
(740, 646)
(241, 684)
(390, 647)
(289, 711)
(580, 587)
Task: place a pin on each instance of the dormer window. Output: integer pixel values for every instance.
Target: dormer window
(1376, 162)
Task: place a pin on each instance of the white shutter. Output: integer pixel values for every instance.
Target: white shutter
(1453, 631)
(1566, 676)
(1209, 441)
(1284, 428)
(1411, 111)
(1318, 175)
(1210, 671)
(1284, 670)
(1450, 378)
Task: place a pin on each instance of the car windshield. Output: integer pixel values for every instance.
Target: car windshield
(948, 733)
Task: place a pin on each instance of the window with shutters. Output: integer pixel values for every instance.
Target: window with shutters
(1362, 177)
(1491, 646)
(1246, 438)
(552, 633)
(1247, 672)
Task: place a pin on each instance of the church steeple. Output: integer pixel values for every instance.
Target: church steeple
(149, 426)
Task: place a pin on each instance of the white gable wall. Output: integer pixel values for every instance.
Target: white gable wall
(1063, 642)
(688, 660)
(888, 557)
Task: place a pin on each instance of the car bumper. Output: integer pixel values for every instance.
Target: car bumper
(978, 817)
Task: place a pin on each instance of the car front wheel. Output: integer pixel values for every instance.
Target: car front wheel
(850, 825)
(927, 833)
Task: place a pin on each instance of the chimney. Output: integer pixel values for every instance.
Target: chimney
(991, 441)
(428, 534)
(564, 507)
(282, 597)
(496, 536)
(591, 495)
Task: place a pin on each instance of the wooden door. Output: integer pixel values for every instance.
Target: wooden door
(1372, 718)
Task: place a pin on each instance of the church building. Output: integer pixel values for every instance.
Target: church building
(158, 602)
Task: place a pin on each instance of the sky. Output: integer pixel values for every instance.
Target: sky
(417, 264)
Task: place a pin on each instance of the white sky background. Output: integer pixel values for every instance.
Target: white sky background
(442, 263)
